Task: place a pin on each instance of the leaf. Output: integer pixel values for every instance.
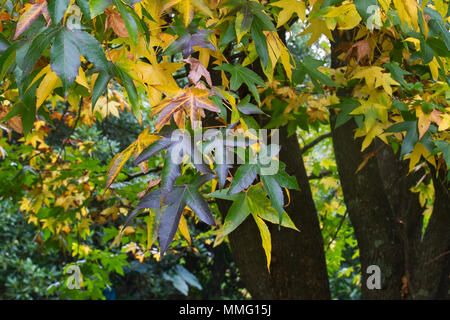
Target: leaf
(275, 193)
(237, 213)
(418, 152)
(244, 177)
(362, 6)
(47, 85)
(65, 58)
(91, 49)
(129, 21)
(397, 73)
(187, 43)
(36, 48)
(171, 171)
(197, 71)
(153, 222)
(243, 22)
(29, 16)
(100, 86)
(184, 230)
(192, 101)
(289, 7)
(311, 65)
(411, 136)
(265, 238)
(362, 48)
(128, 83)
(260, 41)
(115, 21)
(260, 205)
(57, 9)
(239, 75)
(347, 16)
(98, 6)
(117, 163)
(317, 28)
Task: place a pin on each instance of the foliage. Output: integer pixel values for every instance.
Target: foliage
(194, 66)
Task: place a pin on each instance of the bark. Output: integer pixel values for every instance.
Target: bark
(387, 216)
(298, 269)
(370, 214)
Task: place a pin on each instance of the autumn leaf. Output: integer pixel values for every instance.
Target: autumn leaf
(197, 71)
(317, 28)
(31, 13)
(191, 101)
(362, 49)
(289, 7)
(115, 21)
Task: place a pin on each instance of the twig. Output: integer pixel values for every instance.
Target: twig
(315, 141)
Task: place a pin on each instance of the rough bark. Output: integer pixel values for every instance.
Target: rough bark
(371, 215)
(387, 217)
(298, 269)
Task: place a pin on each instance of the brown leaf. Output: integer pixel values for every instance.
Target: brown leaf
(115, 21)
(31, 13)
(151, 184)
(15, 122)
(198, 70)
(362, 49)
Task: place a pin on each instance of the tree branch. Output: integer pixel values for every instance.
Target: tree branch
(315, 141)
(141, 174)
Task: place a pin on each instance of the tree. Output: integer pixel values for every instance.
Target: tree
(213, 69)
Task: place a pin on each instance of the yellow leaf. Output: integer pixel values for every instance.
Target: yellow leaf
(265, 237)
(289, 7)
(419, 151)
(46, 87)
(183, 229)
(317, 27)
(118, 162)
(424, 120)
(347, 16)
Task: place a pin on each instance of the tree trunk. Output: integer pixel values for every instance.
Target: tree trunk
(387, 217)
(298, 268)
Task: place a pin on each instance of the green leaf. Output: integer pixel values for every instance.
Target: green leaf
(248, 108)
(397, 73)
(275, 193)
(128, 83)
(411, 137)
(346, 106)
(239, 75)
(36, 48)
(85, 8)
(244, 177)
(362, 7)
(100, 86)
(237, 213)
(98, 7)
(57, 9)
(65, 58)
(436, 24)
(259, 204)
(260, 41)
(311, 66)
(129, 21)
(91, 49)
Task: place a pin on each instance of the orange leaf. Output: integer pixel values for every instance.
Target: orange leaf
(29, 16)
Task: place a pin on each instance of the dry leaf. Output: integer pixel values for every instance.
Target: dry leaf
(198, 71)
(115, 21)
